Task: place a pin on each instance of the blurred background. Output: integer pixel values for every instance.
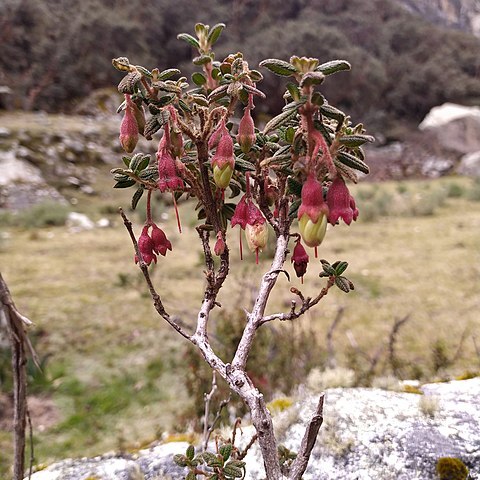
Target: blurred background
(114, 376)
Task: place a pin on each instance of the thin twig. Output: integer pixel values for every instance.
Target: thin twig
(157, 301)
(207, 400)
(300, 463)
(241, 455)
(30, 435)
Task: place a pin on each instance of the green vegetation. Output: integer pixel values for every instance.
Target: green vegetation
(114, 369)
(451, 468)
(402, 66)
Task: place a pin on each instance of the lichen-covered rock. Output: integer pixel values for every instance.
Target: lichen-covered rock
(368, 434)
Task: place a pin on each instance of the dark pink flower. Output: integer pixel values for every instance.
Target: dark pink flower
(246, 131)
(216, 135)
(240, 215)
(341, 204)
(313, 204)
(146, 247)
(168, 178)
(160, 242)
(129, 128)
(299, 259)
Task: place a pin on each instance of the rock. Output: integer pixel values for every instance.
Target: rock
(76, 222)
(470, 165)
(99, 468)
(367, 434)
(455, 127)
(15, 170)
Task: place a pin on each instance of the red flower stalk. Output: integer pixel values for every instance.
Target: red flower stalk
(341, 204)
(146, 247)
(129, 127)
(300, 259)
(246, 131)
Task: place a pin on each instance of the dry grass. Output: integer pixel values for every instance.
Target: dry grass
(115, 367)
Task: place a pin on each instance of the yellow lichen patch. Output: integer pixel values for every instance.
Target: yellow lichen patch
(279, 404)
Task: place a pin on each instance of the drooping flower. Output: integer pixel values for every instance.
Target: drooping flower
(341, 204)
(160, 242)
(312, 213)
(168, 178)
(256, 230)
(299, 259)
(240, 215)
(246, 131)
(223, 162)
(129, 129)
(146, 247)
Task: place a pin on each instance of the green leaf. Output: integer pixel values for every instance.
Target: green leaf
(219, 92)
(166, 74)
(135, 161)
(232, 471)
(150, 173)
(127, 84)
(144, 71)
(340, 267)
(244, 165)
(312, 78)
(253, 90)
(190, 453)
(225, 451)
(184, 106)
(333, 66)
(289, 135)
(180, 460)
(215, 32)
(137, 196)
(318, 99)
(353, 162)
(280, 120)
(332, 112)
(201, 29)
(192, 41)
(202, 60)
(200, 100)
(199, 79)
(125, 184)
(279, 67)
(255, 76)
(126, 161)
(294, 186)
(355, 140)
(327, 268)
(343, 284)
(143, 163)
(293, 210)
(151, 126)
(294, 91)
(166, 100)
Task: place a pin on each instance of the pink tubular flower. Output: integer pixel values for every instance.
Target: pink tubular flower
(146, 247)
(160, 242)
(223, 162)
(240, 215)
(299, 259)
(246, 131)
(129, 127)
(168, 178)
(312, 204)
(341, 204)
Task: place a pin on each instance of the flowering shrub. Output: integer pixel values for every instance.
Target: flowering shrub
(294, 168)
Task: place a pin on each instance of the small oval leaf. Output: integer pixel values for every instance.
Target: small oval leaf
(279, 67)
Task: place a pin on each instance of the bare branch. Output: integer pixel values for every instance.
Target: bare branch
(157, 301)
(299, 465)
(307, 304)
(254, 318)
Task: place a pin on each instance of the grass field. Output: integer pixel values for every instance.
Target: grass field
(113, 375)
